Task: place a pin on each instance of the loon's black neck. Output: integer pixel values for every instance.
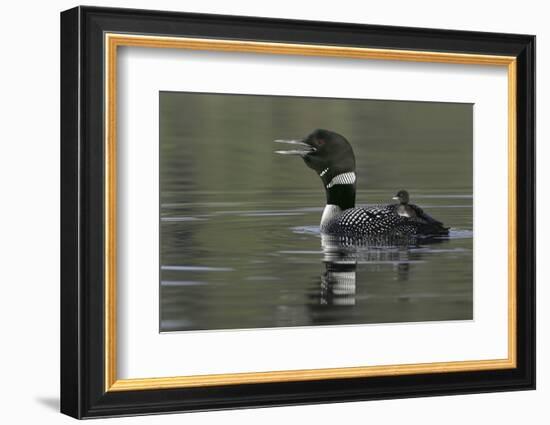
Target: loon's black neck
(342, 195)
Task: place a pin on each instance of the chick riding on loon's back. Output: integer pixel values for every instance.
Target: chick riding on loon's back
(331, 156)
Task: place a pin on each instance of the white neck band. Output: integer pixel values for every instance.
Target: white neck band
(345, 178)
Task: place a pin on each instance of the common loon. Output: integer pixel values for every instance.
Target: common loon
(331, 156)
(404, 209)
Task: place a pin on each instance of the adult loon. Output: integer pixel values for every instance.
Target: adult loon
(331, 156)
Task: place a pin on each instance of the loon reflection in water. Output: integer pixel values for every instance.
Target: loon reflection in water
(342, 254)
(331, 156)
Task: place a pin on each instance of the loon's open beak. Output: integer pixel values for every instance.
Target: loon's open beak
(302, 148)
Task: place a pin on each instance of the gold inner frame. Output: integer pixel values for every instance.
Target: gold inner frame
(113, 41)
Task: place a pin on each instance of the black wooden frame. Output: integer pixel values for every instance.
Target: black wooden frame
(82, 217)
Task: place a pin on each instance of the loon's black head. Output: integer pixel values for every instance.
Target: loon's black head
(331, 156)
(326, 152)
(402, 196)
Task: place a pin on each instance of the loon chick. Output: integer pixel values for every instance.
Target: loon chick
(404, 209)
(331, 156)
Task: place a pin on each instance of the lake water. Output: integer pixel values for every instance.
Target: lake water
(240, 244)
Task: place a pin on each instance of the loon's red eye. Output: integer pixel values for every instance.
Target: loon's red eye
(320, 142)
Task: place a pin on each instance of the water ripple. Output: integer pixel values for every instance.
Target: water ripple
(197, 268)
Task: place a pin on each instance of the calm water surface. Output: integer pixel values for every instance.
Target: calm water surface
(286, 277)
(240, 245)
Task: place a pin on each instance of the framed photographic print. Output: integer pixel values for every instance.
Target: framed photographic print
(261, 212)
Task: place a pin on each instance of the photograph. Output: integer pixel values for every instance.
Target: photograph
(286, 211)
